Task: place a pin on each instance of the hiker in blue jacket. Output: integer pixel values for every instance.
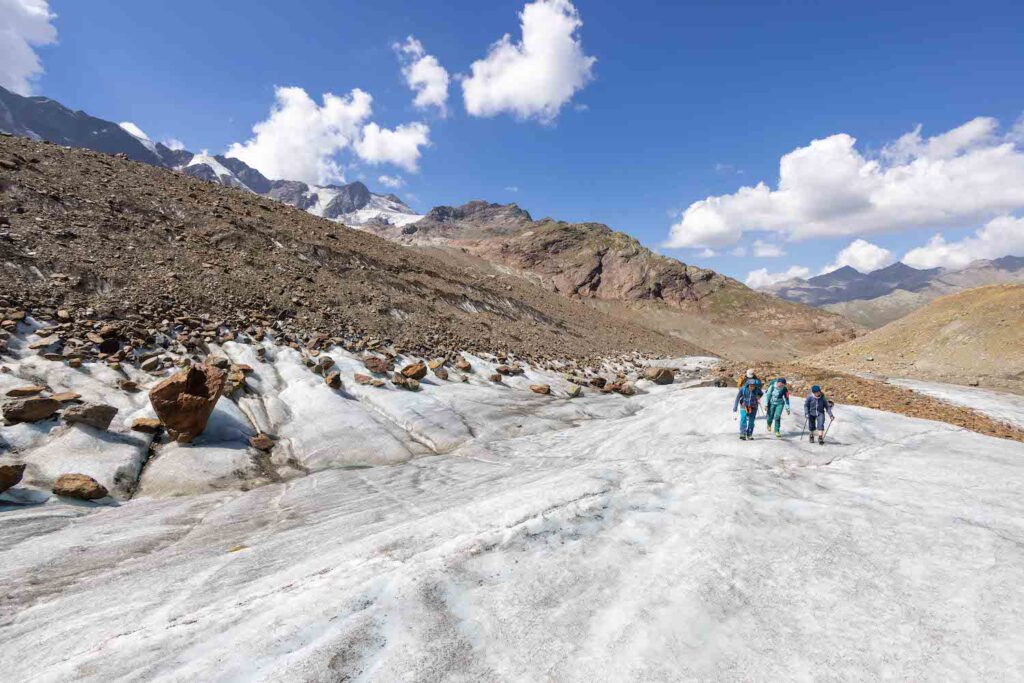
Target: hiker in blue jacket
(776, 399)
(816, 406)
(749, 396)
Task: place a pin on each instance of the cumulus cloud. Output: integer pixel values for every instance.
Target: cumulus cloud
(400, 146)
(759, 278)
(132, 129)
(300, 139)
(830, 188)
(1002, 236)
(24, 26)
(863, 256)
(391, 181)
(537, 76)
(424, 75)
(764, 249)
(174, 143)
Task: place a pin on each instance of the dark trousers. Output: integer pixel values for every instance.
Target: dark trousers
(818, 420)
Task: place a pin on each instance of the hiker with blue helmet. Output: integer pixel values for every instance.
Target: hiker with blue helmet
(816, 406)
(776, 400)
(749, 396)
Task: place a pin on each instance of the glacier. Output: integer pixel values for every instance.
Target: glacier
(474, 531)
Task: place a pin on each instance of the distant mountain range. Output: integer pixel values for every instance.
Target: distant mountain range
(881, 296)
(41, 118)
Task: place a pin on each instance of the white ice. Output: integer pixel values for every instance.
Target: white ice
(999, 405)
(604, 539)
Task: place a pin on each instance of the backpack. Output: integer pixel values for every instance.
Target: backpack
(774, 394)
(749, 399)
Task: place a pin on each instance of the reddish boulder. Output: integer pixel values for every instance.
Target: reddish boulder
(659, 375)
(540, 389)
(30, 409)
(98, 415)
(79, 486)
(10, 475)
(416, 371)
(377, 365)
(185, 400)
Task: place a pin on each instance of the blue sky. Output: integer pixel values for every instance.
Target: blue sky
(684, 101)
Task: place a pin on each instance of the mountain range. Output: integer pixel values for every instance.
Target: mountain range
(609, 272)
(41, 118)
(876, 298)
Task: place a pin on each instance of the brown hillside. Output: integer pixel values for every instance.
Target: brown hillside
(975, 336)
(109, 238)
(616, 274)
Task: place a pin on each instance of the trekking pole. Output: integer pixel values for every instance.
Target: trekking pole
(831, 420)
(804, 428)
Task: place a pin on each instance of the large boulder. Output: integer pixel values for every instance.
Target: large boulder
(10, 475)
(98, 415)
(185, 400)
(659, 375)
(30, 409)
(79, 486)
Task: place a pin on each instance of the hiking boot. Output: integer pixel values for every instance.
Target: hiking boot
(743, 437)
(777, 435)
(812, 438)
(821, 440)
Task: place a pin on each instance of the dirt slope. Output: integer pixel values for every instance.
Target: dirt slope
(975, 336)
(616, 274)
(82, 230)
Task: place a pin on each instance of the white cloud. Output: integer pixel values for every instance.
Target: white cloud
(739, 252)
(511, 188)
(756, 279)
(392, 181)
(1002, 236)
(424, 75)
(537, 76)
(708, 253)
(764, 249)
(400, 146)
(24, 25)
(174, 143)
(863, 256)
(830, 188)
(133, 130)
(300, 139)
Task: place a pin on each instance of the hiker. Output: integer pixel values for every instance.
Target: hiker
(750, 375)
(815, 408)
(749, 396)
(776, 399)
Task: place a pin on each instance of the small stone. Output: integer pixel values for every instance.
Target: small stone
(219, 362)
(598, 382)
(376, 365)
(496, 378)
(540, 389)
(30, 409)
(27, 390)
(659, 375)
(98, 415)
(10, 475)
(463, 365)
(261, 442)
(575, 391)
(151, 364)
(131, 386)
(416, 371)
(146, 425)
(333, 380)
(79, 486)
(66, 396)
(75, 363)
(435, 363)
(441, 373)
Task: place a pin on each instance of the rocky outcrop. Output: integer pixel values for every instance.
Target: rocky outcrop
(185, 400)
(79, 486)
(98, 415)
(10, 475)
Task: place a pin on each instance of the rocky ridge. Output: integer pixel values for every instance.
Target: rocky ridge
(613, 271)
